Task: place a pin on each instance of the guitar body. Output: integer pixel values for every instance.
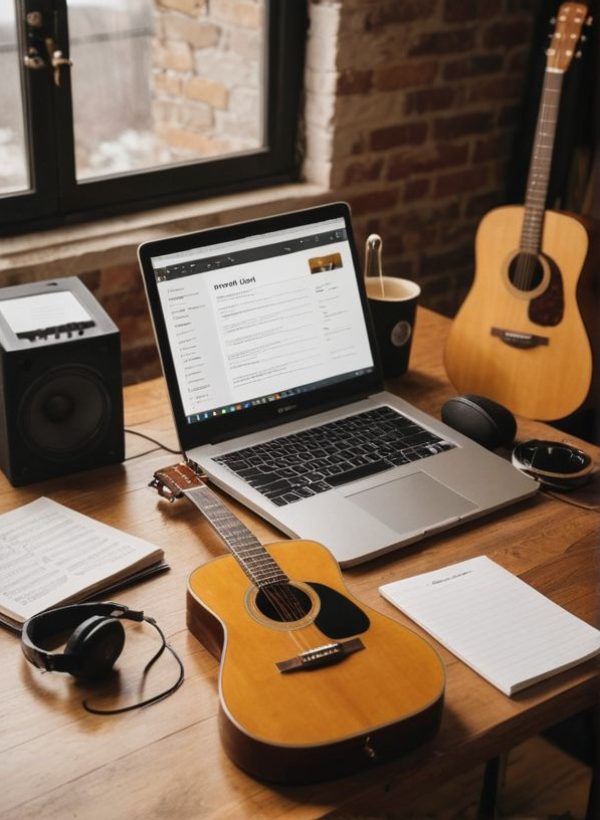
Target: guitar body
(525, 347)
(313, 723)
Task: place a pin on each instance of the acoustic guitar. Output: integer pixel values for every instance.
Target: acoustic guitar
(520, 337)
(312, 683)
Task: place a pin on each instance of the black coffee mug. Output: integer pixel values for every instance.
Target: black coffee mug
(393, 306)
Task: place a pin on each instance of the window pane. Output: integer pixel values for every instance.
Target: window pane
(14, 171)
(157, 82)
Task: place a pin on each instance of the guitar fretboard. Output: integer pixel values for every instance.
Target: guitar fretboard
(541, 160)
(253, 558)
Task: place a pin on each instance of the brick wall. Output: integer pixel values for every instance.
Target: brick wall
(412, 119)
(206, 75)
(410, 115)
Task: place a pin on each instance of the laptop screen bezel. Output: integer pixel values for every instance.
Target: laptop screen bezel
(233, 425)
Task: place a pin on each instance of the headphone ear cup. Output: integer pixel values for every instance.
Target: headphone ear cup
(95, 645)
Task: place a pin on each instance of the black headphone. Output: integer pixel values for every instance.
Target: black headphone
(93, 647)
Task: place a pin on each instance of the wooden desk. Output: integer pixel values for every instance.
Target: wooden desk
(57, 761)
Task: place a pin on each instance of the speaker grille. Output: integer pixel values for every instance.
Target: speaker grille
(64, 413)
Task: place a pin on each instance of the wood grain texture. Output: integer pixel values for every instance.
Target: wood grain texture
(167, 760)
(396, 681)
(546, 382)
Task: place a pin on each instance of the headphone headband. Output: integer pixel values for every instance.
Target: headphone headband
(47, 624)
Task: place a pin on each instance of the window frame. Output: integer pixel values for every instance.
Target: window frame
(57, 198)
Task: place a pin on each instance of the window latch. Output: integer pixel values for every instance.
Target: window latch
(57, 59)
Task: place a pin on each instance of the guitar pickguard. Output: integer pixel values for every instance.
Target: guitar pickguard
(338, 617)
(547, 309)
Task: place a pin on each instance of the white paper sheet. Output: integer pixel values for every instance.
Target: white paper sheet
(42, 310)
(510, 634)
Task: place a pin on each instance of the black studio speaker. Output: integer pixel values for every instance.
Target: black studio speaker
(61, 397)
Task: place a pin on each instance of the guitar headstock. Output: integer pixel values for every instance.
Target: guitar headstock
(570, 21)
(172, 482)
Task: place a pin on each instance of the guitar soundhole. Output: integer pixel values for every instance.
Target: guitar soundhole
(525, 272)
(283, 603)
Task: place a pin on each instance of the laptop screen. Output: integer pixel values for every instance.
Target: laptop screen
(263, 319)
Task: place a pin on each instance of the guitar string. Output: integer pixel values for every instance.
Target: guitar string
(283, 603)
(527, 263)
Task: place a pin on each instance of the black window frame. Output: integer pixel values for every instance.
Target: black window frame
(57, 198)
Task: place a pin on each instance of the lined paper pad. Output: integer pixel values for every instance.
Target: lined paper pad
(510, 634)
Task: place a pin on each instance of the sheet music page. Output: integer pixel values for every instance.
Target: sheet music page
(510, 634)
(49, 553)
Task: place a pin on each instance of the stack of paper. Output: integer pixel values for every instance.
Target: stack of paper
(509, 633)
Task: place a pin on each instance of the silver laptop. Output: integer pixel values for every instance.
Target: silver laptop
(269, 356)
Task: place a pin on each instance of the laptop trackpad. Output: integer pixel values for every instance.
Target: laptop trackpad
(415, 502)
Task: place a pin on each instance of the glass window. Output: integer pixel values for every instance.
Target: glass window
(14, 171)
(139, 103)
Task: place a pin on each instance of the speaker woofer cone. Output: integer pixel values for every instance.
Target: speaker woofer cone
(65, 412)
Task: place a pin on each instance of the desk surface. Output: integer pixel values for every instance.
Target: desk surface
(57, 761)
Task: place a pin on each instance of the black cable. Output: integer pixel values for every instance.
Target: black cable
(161, 695)
(145, 453)
(153, 440)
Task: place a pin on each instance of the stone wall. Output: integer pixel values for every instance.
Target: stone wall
(207, 75)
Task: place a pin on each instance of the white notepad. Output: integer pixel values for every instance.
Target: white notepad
(510, 634)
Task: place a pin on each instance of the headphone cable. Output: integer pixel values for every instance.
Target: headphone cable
(161, 695)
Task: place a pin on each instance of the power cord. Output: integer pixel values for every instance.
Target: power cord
(160, 446)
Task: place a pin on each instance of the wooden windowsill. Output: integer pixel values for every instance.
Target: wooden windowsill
(77, 249)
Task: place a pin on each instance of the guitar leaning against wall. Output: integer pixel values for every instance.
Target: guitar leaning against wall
(520, 337)
(312, 683)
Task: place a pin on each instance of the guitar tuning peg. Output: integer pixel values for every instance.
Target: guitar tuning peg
(589, 21)
(578, 55)
(583, 38)
(552, 21)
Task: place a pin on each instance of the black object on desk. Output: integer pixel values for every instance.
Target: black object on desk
(61, 399)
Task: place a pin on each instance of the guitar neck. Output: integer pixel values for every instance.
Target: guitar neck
(541, 160)
(253, 558)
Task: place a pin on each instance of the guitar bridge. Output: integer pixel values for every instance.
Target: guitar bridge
(516, 338)
(325, 655)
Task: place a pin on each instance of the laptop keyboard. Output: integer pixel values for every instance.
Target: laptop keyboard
(300, 465)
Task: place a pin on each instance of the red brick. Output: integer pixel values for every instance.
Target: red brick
(496, 88)
(448, 260)
(413, 133)
(394, 12)
(442, 155)
(405, 75)
(354, 82)
(519, 61)
(140, 364)
(120, 279)
(91, 280)
(374, 201)
(479, 205)
(362, 171)
(415, 219)
(509, 116)
(430, 99)
(402, 268)
(456, 233)
(497, 146)
(460, 182)
(473, 66)
(464, 11)
(444, 42)
(507, 34)
(474, 122)
(416, 189)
